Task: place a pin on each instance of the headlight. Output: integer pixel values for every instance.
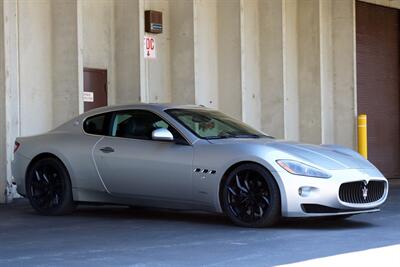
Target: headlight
(298, 168)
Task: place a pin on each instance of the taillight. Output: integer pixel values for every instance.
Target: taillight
(16, 146)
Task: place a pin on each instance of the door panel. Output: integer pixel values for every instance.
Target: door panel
(378, 83)
(145, 168)
(95, 85)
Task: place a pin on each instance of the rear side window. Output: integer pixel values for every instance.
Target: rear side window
(97, 125)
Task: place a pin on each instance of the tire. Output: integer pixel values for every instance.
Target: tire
(48, 187)
(250, 196)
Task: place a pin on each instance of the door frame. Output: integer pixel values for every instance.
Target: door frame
(89, 69)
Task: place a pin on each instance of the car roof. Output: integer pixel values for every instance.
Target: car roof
(150, 106)
(70, 126)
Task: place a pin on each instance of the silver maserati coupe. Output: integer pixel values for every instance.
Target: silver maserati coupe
(191, 157)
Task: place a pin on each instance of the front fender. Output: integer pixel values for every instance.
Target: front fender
(220, 158)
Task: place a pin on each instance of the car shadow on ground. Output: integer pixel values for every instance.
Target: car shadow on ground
(150, 214)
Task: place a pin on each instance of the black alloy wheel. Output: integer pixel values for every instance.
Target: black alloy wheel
(48, 187)
(250, 196)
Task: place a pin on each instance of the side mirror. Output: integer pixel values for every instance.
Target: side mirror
(162, 134)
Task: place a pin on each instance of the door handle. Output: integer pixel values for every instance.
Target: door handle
(107, 149)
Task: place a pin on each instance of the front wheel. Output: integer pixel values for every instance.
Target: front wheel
(48, 187)
(250, 196)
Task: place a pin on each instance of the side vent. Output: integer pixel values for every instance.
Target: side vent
(205, 171)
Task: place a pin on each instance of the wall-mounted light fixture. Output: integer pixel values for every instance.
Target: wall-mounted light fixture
(153, 21)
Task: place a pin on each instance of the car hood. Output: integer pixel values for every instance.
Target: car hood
(330, 157)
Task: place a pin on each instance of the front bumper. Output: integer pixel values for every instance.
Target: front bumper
(314, 197)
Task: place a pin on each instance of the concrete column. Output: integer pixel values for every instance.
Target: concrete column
(326, 65)
(3, 127)
(272, 67)
(64, 60)
(97, 39)
(206, 52)
(35, 66)
(79, 26)
(323, 45)
(229, 58)
(128, 42)
(309, 71)
(182, 52)
(344, 69)
(250, 62)
(10, 120)
(290, 70)
(158, 74)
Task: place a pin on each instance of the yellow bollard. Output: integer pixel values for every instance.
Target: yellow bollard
(362, 135)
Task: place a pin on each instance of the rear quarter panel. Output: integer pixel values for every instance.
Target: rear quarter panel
(73, 149)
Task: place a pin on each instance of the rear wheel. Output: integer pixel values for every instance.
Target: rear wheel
(48, 187)
(250, 196)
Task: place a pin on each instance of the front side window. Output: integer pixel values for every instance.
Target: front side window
(139, 124)
(97, 124)
(209, 124)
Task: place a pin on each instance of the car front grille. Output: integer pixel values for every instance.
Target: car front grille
(360, 193)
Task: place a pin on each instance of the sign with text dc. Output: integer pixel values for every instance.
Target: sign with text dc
(149, 47)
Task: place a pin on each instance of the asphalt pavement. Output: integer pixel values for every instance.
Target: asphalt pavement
(120, 236)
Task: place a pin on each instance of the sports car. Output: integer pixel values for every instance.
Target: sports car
(191, 157)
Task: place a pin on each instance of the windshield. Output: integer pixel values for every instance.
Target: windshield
(209, 124)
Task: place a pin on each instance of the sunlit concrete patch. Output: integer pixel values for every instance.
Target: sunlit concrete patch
(384, 256)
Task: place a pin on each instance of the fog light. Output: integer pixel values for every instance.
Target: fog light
(305, 191)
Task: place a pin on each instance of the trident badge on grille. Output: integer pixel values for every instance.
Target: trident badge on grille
(365, 190)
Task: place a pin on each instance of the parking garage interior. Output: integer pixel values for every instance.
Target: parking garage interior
(301, 70)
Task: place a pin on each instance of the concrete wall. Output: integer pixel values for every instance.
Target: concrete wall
(229, 58)
(205, 52)
(271, 67)
(182, 51)
(286, 67)
(309, 71)
(35, 66)
(290, 70)
(3, 132)
(98, 39)
(158, 71)
(326, 70)
(64, 60)
(344, 69)
(250, 43)
(11, 122)
(127, 51)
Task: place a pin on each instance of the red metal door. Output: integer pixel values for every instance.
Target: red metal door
(95, 88)
(378, 57)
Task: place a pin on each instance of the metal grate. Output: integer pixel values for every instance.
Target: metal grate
(359, 192)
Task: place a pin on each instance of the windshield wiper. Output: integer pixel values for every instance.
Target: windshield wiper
(218, 137)
(232, 135)
(246, 136)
